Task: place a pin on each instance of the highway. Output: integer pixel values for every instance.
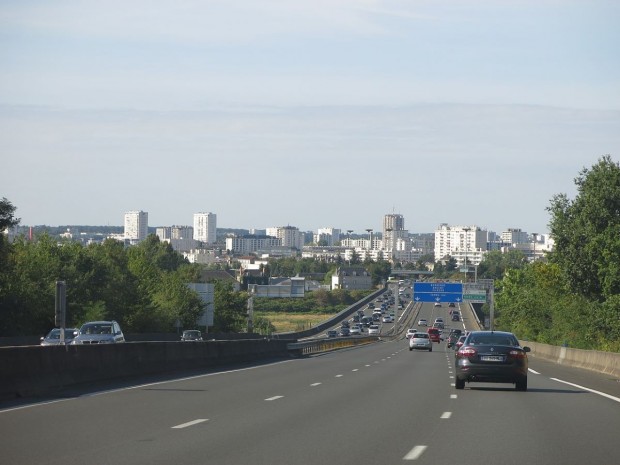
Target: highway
(374, 404)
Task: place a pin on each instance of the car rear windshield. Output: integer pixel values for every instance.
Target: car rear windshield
(493, 340)
(420, 336)
(96, 329)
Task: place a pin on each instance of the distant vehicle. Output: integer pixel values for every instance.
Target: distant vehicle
(366, 321)
(355, 330)
(422, 322)
(191, 335)
(437, 304)
(492, 357)
(345, 331)
(410, 332)
(439, 320)
(459, 342)
(332, 333)
(53, 337)
(376, 316)
(421, 341)
(438, 325)
(456, 316)
(451, 304)
(452, 338)
(99, 332)
(388, 319)
(434, 334)
(373, 330)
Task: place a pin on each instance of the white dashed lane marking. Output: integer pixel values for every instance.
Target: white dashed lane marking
(415, 453)
(190, 423)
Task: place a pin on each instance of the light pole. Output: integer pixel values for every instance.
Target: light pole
(349, 231)
(369, 231)
(466, 230)
(388, 231)
(534, 237)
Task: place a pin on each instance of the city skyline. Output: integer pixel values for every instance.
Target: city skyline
(316, 114)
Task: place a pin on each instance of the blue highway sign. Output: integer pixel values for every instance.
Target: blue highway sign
(437, 292)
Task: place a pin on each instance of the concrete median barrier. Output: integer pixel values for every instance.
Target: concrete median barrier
(37, 370)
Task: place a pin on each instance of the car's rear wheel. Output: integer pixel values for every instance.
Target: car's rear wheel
(460, 383)
(521, 384)
(410, 348)
(431, 349)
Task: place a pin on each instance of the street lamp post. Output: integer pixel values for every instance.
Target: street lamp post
(369, 231)
(349, 231)
(466, 230)
(388, 232)
(534, 237)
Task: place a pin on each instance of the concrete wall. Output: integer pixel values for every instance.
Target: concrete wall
(602, 362)
(36, 370)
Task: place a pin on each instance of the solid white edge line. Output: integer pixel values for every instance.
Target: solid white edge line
(190, 423)
(140, 386)
(609, 396)
(446, 415)
(269, 399)
(415, 453)
(533, 371)
(315, 384)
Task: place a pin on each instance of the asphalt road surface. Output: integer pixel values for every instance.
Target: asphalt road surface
(375, 404)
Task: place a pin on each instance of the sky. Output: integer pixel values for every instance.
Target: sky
(314, 114)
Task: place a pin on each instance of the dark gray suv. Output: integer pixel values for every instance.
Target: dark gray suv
(99, 332)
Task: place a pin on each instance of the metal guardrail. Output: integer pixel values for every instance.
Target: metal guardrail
(326, 345)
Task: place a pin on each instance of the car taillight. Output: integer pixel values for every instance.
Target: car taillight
(466, 352)
(516, 354)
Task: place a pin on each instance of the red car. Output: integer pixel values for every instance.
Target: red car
(434, 334)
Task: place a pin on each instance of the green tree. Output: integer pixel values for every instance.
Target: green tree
(585, 230)
(495, 263)
(379, 271)
(230, 308)
(7, 220)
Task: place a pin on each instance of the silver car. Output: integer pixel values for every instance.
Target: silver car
(420, 341)
(99, 332)
(191, 335)
(53, 337)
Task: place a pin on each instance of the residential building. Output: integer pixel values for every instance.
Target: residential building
(467, 244)
(289, 236)
(393, 229)
(136, 226)
(180, 237)
(351, 278)
(327, 236)
(248, 244)
(205, 257)
(514, 236)
(205, 227)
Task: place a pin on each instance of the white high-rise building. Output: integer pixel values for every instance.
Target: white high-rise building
(180, 237)
(136, 225)
(393, 230)
(205, 227)
(464, 243)
(290, 236)
(515, 236)
(331, 236)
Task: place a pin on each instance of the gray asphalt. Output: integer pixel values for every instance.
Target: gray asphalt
(367, 405)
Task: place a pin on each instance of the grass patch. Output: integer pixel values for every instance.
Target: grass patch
(290, 322)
